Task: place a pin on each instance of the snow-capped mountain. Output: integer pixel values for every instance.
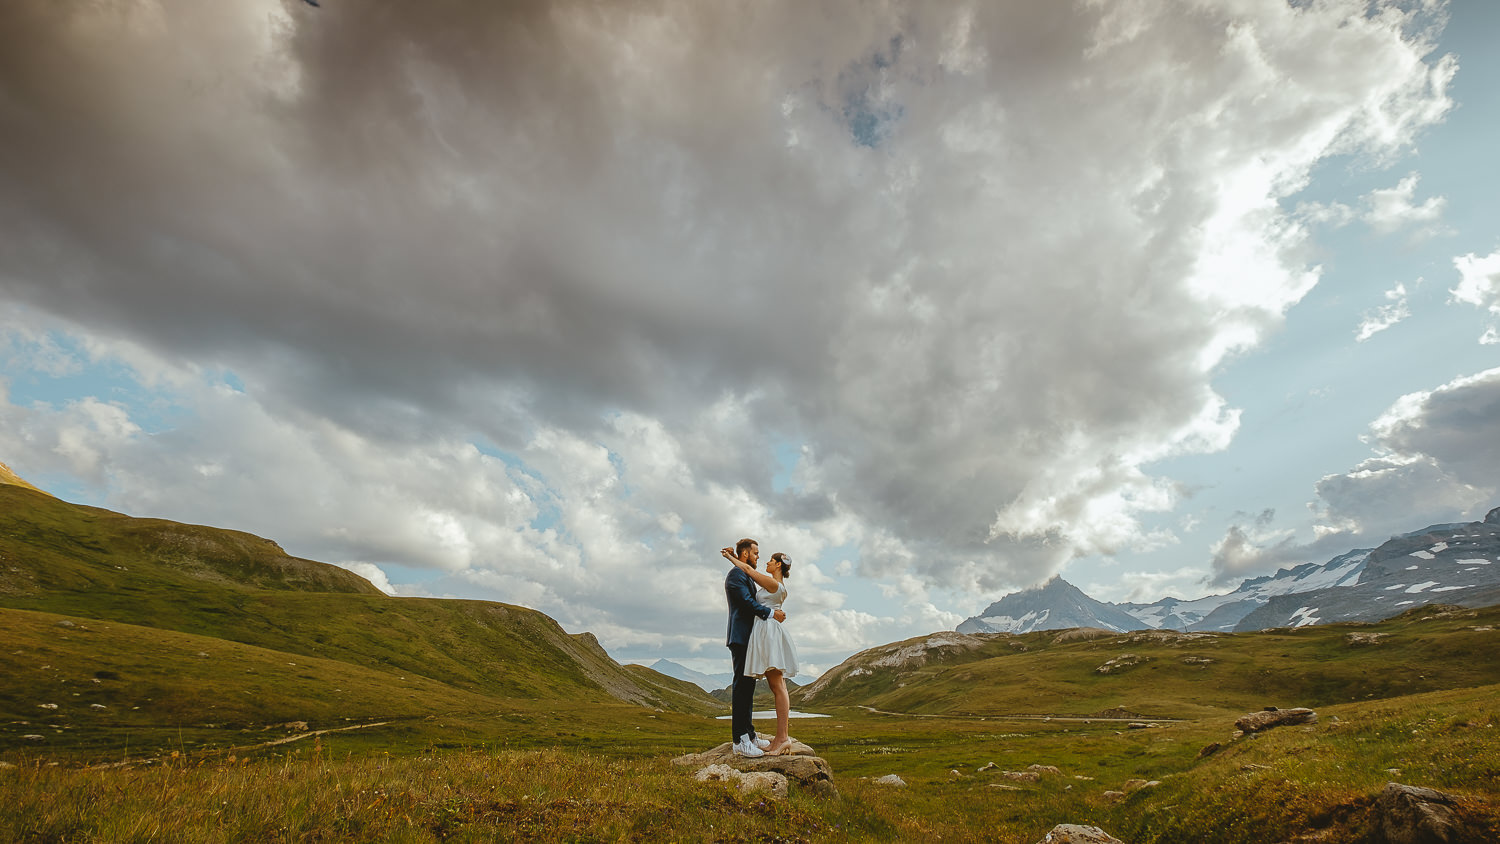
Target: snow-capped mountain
(1225, 612)
(707, 682)
(1448, 564)
(1452, 564)
(1055, 605)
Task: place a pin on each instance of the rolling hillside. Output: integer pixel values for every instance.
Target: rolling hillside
(1169, 674)
(85, 590)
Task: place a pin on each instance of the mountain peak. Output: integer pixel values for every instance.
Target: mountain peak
(1054, 605)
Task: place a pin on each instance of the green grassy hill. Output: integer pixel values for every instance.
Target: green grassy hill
(170, 591)
(1164, 674)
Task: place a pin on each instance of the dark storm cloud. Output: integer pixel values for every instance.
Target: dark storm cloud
(980, 260)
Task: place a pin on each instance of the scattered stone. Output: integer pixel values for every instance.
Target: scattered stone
(4, 764)
(1364, 638)
(1138, 784)
(798, 764)
(33, 737)
(1197, 660)
(1139, 725)
(97, 706)
(299, 726)
(1120, 663)
(1113, 795)
(1044, 769)
(891, 779)
(1410, 814)
(1082, 634)
(1021, 776)
(65, 623)
(990, 767)
(954, 774)
(46, 706)
(748, 782)
(1003, 787)
(1272, 717)
(1068, 833)
(1210, 749)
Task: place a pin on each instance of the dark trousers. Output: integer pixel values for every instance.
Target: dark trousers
(744, 695)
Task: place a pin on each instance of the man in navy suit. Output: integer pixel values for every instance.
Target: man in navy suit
(743, 609)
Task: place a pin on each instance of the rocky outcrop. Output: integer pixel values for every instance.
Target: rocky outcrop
(799, 764)
(1121, 663)
(899, 657)
(1069, 833)
(1408, 814)
(1270, 717)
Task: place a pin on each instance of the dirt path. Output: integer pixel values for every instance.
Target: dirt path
(272, 743)
(307, 735)
(1071, 719)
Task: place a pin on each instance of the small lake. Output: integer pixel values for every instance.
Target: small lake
(770, 715)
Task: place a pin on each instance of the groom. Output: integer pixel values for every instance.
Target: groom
(743, 608)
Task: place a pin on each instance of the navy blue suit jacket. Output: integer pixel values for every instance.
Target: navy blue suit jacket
(743, 608)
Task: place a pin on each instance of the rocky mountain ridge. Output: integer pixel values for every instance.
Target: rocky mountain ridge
(1448, 563)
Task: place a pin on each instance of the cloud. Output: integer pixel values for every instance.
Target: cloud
(1437, 460)
(1385, 316)
(1385, 210)
(1250, 546)
(1479, 285)
(534, 295)
(1438, 454)
(1389, 210)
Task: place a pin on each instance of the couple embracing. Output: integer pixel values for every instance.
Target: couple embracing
(758, 644)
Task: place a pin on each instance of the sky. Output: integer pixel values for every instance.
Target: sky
(546, 302)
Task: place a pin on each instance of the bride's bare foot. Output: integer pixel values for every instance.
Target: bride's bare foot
(778, 748)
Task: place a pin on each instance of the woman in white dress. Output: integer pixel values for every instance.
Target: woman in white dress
(771, 653)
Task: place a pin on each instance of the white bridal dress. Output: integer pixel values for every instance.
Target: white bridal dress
(770, 646)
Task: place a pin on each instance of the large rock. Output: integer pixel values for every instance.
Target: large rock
(1072, 833)
(1272, 717)
(769, 781)
(1410, 814)
(799, 764)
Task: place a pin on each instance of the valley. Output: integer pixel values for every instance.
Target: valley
(161, 681)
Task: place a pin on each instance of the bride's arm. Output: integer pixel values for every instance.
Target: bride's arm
(763, 580)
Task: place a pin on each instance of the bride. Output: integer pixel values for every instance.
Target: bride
(771, 653)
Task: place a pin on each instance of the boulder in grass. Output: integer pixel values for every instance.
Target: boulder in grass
(767, 781)
(1410, 814)
(1270, 717)
(798, 764)
(891, 779)
(1071, 833)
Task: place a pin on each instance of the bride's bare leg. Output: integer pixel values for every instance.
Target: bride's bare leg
(783, 710)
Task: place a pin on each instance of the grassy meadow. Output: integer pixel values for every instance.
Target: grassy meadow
(174, 683)
(592, 774)
(429, 764)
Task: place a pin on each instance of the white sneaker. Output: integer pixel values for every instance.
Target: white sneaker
(746, 747)
(761, 743)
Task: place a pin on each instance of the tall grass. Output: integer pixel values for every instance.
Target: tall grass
(607, 781)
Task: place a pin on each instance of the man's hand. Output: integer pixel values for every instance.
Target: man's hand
(779, 615)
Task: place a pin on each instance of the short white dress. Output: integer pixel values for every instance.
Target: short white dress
(770, 645)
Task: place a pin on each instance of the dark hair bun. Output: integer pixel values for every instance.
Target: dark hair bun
(786, 564)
